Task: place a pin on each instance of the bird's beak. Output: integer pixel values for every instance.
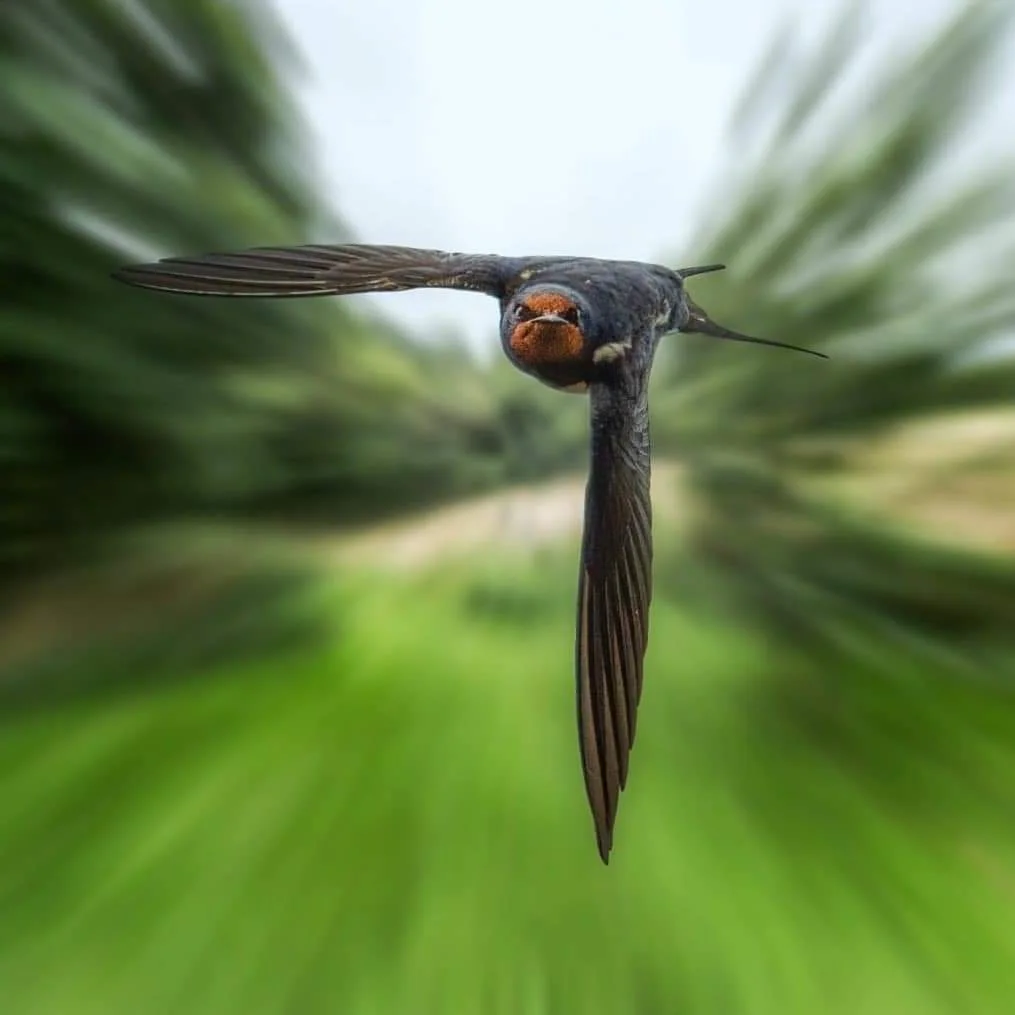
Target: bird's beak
(549, 319)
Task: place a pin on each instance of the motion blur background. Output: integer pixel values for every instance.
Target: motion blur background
(287, 588)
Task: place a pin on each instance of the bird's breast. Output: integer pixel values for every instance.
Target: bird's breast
(547, 344)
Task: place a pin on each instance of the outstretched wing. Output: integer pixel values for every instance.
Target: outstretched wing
(320, 271)
(614, 592)
(699, 322)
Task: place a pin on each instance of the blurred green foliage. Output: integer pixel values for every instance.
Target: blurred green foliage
(396, 824)
(848, 227)
(132, 129)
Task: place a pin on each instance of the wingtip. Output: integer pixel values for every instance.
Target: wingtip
(701, 324)
(128, 275)
(700, 269)
(134, 276)
(605, 843)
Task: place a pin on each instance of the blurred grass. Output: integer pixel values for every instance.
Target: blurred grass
(215, 845)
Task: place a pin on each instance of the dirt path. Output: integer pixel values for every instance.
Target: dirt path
(527, 517)
(522, 516)
(62, 615)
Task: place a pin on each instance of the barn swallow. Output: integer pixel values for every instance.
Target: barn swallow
(578, 325)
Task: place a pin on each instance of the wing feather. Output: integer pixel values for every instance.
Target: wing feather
(614, 593)
(315, 270)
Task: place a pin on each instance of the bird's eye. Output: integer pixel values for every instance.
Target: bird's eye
(524, 312)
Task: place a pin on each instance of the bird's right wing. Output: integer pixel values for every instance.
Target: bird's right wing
(698, 322)
(614, 592)
(321, 271)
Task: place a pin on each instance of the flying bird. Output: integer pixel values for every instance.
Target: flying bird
(578, 325)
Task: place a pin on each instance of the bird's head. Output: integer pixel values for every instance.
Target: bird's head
(545, 332)
(546, 327)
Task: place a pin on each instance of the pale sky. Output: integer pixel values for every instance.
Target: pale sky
(535, 126)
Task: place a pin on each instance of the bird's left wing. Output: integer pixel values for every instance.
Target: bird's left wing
(614, 591)
(321, 271)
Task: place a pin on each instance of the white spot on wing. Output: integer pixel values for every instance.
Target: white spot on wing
(610, 352)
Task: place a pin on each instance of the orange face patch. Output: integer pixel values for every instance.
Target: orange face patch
(549, 303)
(537, 342)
